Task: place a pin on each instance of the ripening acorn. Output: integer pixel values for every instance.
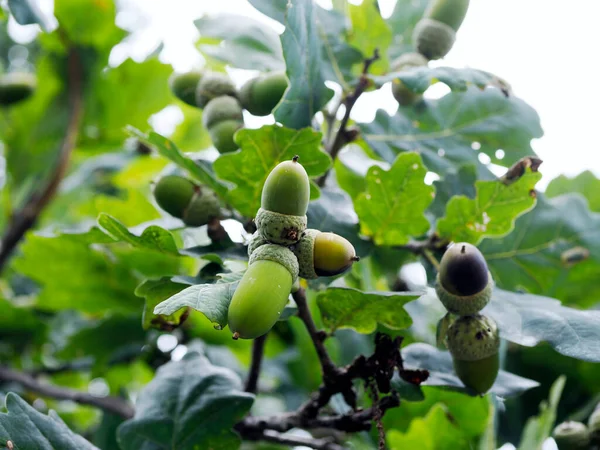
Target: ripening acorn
(435, 33)
(403, 95)
(281, 218)
(594, 425)
(260, 95)
(571, 436)
(323, 254)
(220, 109)
(473, 342)
(213, 85)
(184, 85)
(222, 135)
(16, 87)
(464, 284)
(195, 205)
(262, 292)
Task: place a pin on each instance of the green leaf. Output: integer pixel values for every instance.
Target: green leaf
(539, 428)
(275, 9)
(393, 206)
(554, 251)
(351, 167)
(154, 292)
(456, 124)
(188, 136)
(405, 16)
(152, 238)
(585, 183)
(262, 150)
(189, 405)
(241, 42)
(493, 211)
(459, 181)
(27, 12)
(370, 32)
(212, 300)
(307, 93)
(27, 429)
(362, 311)
(441, 372)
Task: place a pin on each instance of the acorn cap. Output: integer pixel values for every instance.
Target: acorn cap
(433, 39)
(174, 193)
(213, 85)
(204, 207)
(222, 135)
(278, 254)
(471, 338)
(480, 375)
(287, 189)
(256, 241)
(282, 229)
(16, 87)
(467, 305)
(571, 436)
(304, 251)
(408, 60)
(449, 12)
(220, 109)
(184, 85)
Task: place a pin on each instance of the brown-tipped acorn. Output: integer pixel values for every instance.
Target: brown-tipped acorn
(571, 436)
(213, 85)
(323, 254)
(260, 95)
(473, 342)
(16, 87)
(195, 205)
(184, 85)
(464, 284)
(262, 292)
(406, 61)
(281, 218)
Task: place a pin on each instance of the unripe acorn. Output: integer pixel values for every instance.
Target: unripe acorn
(403, 95)
(594, 425)
(260, 95)
(262, 292)
(184, 85)
(433, 39)
(213, 85)
(222, 133)
(449, 12)
(571, 436)
(323, 254)
(464, 284)
(16, 87)
(181, 198)
(220, 109)
(473, 342)
(281, 218)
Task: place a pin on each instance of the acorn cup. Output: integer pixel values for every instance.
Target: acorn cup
(184, 85)
(16, 87)
(263, 291)
(323, 254)
(260, 95)
(473, 342)
(571, 436)
(223, 116)
(281, 218)
(463, 283)
(213, 85)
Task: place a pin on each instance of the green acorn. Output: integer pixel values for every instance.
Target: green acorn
(222, 135)
(435, 33)
(220, 109)
(323, 254)
(184, 85)
(403, 95)
(473, 342)
(281, 218)
(181, 198)
(464, 284)
(16, 87)
(263, 291)
(213, 85)
(571, 436)
(260, 95)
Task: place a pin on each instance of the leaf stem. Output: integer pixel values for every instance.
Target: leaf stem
(258, 348)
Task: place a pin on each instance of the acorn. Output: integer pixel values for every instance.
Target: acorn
(260, 95)
(220, 109)
(281, 218)
(16, 87)
(473, 342)
(464, 284)
(403, 95)
(263, 291)
(213, 85)
(323, 254)
(184, 85)
(571, 436)
(195, 205)
(222, 135)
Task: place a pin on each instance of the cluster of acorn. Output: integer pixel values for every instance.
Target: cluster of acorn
(433, 37)
(16, 87)
(573, 435)
(281, 250)
(223, 105)
(464, 286)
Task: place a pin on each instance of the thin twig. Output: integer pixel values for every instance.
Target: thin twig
(342, 137)
(292, 441)
(258, 348)
(111, 404)
(26, 218)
